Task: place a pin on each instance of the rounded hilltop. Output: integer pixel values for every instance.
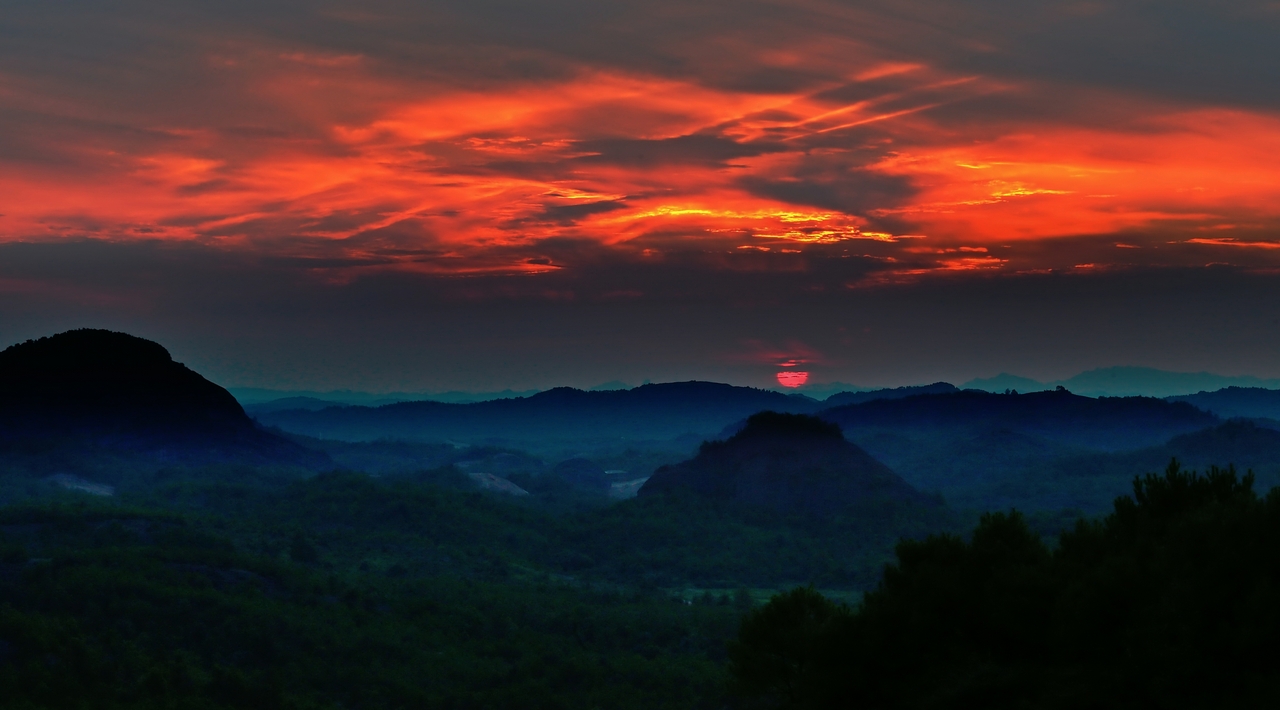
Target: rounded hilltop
(100, 380)
(99, 388)
(789, 462)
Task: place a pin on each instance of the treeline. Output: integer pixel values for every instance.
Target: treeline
(1171, 601)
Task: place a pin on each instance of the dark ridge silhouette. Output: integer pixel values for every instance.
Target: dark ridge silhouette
(658, 411)
(106, 382)
(846, 398)
(121, 392)
(1106, 423)
(788, 462)
(1230, 402)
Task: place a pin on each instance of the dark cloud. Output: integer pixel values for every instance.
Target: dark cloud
(842, 188)
(248, 321)
(569, 214)
(692, 149)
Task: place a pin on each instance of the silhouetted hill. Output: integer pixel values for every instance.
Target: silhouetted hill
(658, 411)
(1231, 402)
(1108, 423)
(118, 392)
(105, 382)
(789, 462)
(846, 398)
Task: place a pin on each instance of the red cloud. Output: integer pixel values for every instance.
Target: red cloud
(277, 146)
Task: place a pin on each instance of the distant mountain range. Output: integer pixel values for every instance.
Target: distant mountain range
(94, 404)
(259, 397)
(1109, 424)
(1251, 402)
(1124, 382)
(1041, 450)
(1102, 382)
(649, 412)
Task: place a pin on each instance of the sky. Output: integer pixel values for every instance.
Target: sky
(449, 195)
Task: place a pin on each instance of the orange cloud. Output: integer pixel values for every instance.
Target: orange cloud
(424, 175)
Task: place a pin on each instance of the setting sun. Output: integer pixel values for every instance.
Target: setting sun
(788, 378)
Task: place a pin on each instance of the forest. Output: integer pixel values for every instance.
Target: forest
(346, 591)
(1169, 601)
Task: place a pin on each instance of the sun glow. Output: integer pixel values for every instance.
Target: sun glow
(792, 378)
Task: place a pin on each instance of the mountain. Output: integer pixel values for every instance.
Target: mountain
(1114, 423)
(1040, 451)
(252, 397)
(121, 393)
(1230, 402)
(824, 390)
(648, 412)
(789, 462)
(1124, 382)
(843, 398)
(1128, 381)
(1005, 381)
(285, 404)
(100, 382)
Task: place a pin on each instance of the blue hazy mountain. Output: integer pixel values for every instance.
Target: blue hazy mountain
(255, 398)
(1251, 402)
(1035, 451)
(1124, 382)
(649, 412)
(1103, 424)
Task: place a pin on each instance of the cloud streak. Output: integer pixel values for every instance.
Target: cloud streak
(863, 145)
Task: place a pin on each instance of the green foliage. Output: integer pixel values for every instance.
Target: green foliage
(1170, 601)
(139, 610)
(781, 656)
(301, 550)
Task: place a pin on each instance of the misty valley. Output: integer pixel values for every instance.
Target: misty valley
(676, 545)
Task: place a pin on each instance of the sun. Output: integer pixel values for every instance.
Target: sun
(790, 378)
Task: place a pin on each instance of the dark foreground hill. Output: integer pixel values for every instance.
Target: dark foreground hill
(651, 412)
(100, 382)
(97, 390)
(789, 462)
(1168, 602)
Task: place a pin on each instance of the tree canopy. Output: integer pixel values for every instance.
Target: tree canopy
(1169, 601)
